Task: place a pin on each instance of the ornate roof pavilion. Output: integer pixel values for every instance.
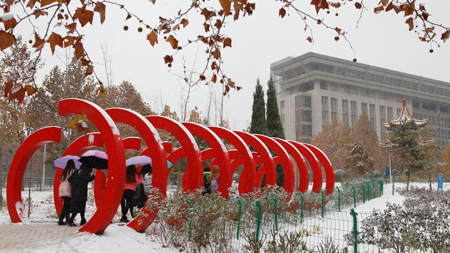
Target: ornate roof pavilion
(405, 115)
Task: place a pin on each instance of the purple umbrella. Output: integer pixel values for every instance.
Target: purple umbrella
(142, 160)
(95, 159)
(62, 161)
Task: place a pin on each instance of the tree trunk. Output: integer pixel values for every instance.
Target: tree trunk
(429, 181)
(393, 183)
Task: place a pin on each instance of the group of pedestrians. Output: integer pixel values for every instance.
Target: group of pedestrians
(74, 191)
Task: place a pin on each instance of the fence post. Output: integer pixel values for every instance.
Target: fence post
(322, 203)
(339, 192)
(381, 188)
(190, 218)
(354, 196)
(276, 219)
(364, 194)
(239, 218)
(258, 221)
(368, 191)
(355, 230)
(301, 210)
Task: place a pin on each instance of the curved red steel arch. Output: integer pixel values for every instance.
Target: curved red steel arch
(327, 167)
(283, 159)
(77, 147)
(313, 162)
(130, 143)
(301, 164)
(116, 160)
(152, 139)
(194, 172)
(220, 154)
(247, 180)
(18, 166)
(268, 165)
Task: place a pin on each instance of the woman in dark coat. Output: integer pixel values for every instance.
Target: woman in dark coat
(79, 181)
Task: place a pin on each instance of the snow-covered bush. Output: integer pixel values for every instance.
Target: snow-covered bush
(420, 224)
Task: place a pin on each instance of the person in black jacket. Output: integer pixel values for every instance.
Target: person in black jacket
(79, 181)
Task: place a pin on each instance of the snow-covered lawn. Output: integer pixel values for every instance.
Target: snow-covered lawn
(118, 238)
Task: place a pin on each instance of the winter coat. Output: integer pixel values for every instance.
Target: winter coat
(65, 187)
(132, 186)
(79, 180)
(214, 173)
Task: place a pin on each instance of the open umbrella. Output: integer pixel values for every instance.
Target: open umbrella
(62, 161)
(95, 159)
(142, 160)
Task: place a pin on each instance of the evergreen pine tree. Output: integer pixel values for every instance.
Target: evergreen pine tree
(274, 125)
(259, 124)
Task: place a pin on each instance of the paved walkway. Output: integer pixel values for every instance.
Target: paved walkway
(27, 238)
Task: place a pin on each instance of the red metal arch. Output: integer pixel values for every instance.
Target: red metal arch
(283, 159)
(327, 167)
(152, 139)
(130, 143)
(18, 166)
(116, 160)
(247, 180)
(268, 165)
(301, 164)
(220, 152)
(194, 172)
(313, 162)
(77, 147)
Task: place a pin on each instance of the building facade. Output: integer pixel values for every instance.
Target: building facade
(313, 89)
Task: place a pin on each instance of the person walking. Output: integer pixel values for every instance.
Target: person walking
(206, 183)
(79, 181)
(65, 189)
(214, 179)
(130, 187)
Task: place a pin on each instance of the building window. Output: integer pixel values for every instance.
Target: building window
(304, 87)
(303, 118)
(398, 111)
(324, 112)
(345, 111)
(364, 107)
(333, 108)
(323, 85)
(282, 118)
(303, 101)
(390, 113)
(372, 114)
(353, 113)
(282, 104)
(382, 120)
(334, 87)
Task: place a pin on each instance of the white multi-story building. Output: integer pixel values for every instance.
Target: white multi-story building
(312, 89)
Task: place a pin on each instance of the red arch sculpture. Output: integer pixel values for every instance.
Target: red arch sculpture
(18, 166)
(283, 159)
(116, 162)
(220, 154)
(264, 158)
(247, 180)
(301, 164)
(152, 139)
(327, 167)
(194, 172)
(77, 147)
(313, 162)
(130, 143)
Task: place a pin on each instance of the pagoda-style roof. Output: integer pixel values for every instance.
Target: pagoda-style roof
(405, 115)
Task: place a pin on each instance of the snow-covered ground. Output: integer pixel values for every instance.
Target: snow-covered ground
(121, 238)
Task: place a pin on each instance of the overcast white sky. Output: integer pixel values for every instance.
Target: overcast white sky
(381, 40)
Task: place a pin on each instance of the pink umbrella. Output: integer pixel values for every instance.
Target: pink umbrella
(95, 159)
(62, 161)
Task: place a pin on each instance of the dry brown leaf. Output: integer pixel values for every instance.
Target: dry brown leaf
(30, 89)
(358, 5)
(184, 22)
(384, 2)
(410, 22)
(8, 87)
(227, 42)
(47, 2)
(55, 40)
(79, 49)
(6, 40)
(226, 6)
(282, 12)
(100, 8)
(378, 9)
(168, 59)
(84, 16)
(68, 41)
(214, 78)
(153, 38)
(173, 42)
(320, 4)
(75, 120)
